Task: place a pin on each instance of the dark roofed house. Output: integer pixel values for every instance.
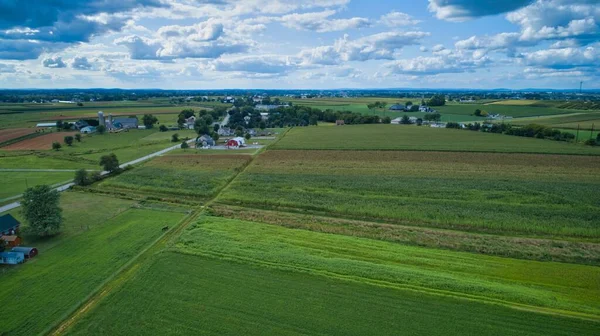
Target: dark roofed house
(204, 141)
(397, 107)
(126, 123)
(8, 225)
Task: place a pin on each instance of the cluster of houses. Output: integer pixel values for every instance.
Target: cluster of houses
(10, 239)
(409, 108)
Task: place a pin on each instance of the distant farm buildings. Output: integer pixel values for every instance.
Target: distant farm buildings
(88, 130)
(11, 241)
(205, 141)
(397, 107)
(340, 122)
(9, 230)
(124, 123)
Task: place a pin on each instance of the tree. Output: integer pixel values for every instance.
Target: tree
(478, 112)
(41, 210)
(216, 128)
(68, 140)
(215, 136)
(59, 125)
(80, 104)
(175, 137)
(101, 129)
(262, 125)
(201, 127)
(419, 121)
(386, 120)
(110, 163)
(81, 177)
(56, 145)
(437, 100)
(405, 120)
(247, 136)
(78, 137)
(149, 120)
(185, 145)
(433, 117)
(163, 128)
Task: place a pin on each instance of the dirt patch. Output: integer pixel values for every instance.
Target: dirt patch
(39, 143)
(95, 115)
(13, 133)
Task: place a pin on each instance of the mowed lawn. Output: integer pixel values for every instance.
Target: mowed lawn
(15, 183)
(186, 175)
(411, 137)
(230, 277)
(509, 194)
(46, 289)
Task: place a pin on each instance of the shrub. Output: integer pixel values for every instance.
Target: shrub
(163, 128)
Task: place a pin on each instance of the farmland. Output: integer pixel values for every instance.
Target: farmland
(49, 288)
(43, 142)
(400, 137)
(14, 183)
(472, 192)
(298, 282)
(196, 175)
(9, 134)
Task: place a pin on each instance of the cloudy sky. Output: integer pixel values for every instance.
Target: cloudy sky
(211, 44)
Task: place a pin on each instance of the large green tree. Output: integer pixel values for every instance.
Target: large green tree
(81, 177)
(41, 210)
(149, 120)
(110, 163)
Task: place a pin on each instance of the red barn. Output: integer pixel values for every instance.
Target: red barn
(236, 142)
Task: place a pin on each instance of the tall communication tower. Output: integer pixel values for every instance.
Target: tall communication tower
(580, 86)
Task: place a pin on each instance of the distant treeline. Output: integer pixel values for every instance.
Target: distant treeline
(286, 116)
(530, 131)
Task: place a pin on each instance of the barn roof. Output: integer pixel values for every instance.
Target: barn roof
(8, 222)
(22, 249)
(9, 238)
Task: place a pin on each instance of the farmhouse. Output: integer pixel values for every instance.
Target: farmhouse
(28, 252)
(9, 225)
(204, 141)
(190, 122)
(426, 109)
(236, 142)
(11, 241)
(225, 131)
(397, 107)
(264, 115)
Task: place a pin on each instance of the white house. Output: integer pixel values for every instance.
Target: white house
(190, 122)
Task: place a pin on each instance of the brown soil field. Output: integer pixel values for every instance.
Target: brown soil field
(95, 115)
(12, 133)
(39, 143)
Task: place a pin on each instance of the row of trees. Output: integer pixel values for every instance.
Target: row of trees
(530, 131)
(377, 104)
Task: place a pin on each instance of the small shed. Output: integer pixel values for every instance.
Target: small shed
(11, 241)
(11, 258)
(88, 130)
(28, 252)
(9, 225)
(340, 122)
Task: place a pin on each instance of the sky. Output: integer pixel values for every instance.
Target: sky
(300, 44)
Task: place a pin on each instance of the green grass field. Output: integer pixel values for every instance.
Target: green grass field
(15, 183)
(410, 137)
(499, 193)
(195, 175)
(42, 160)
(236, 277)
(49, 287)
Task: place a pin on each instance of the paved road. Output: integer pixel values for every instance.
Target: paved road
(64, 187)
(40, 170)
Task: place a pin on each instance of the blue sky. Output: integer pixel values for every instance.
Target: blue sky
(213, 44)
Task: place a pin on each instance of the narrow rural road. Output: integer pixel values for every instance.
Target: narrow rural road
(64, 187)
(39, 170)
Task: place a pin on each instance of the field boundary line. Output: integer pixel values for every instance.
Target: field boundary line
(116, 280)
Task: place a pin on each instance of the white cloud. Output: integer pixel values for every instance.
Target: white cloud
(265, 64)
(81, 63)
(321, 22)
(448, 63)
(398, 19)
(565, 58)
(372, 47)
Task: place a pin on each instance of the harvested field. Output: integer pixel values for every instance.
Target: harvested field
(9, 134)
(43, 142)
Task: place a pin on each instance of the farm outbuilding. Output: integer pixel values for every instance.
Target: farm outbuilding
(88, 130)
(28, 252)
(11, 241)
(8, 225)
(236, 142)
(397, 107)
(204, 141)
(11, 258)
